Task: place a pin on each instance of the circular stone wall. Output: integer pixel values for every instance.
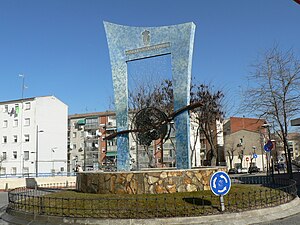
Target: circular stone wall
(151, 181)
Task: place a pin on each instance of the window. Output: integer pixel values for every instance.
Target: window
(112, 142)
(16, 122)
(74, 134)
(4, 139)
(17, 109)
(5, 109)
(4, 155)
(3, 170)
(241, 141)
(26, 137)
(14, 170)
(5, 123)
(27, 122)
(27, 106)
(74, 146)
(26, 155)
(15, 155)
(15, 138)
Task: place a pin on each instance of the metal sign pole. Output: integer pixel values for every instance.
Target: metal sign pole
(222, 203)
(220, 184)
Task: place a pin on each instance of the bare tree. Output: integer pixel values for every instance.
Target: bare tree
(230, 152)
(207, 115)
(196, 135)
(158, 95)
(241, 154)
(1, 160)
(275, 94)
(204, 117)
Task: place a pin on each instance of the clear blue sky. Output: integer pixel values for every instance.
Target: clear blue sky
(60, 45)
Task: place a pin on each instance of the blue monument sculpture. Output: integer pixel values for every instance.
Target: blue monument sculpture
(128, 43)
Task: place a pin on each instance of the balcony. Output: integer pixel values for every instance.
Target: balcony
(111, 148)
(169, 159)
(91, 126)
(110, 126)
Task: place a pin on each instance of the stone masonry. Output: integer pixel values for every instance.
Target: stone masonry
(146, 182)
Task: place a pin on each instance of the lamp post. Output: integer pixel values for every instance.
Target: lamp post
(37, 151)
(269, 155)
(52, 160)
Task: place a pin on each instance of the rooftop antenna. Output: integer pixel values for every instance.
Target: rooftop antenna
(23, 84)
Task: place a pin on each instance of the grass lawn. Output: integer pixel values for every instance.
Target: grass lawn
(75, 204)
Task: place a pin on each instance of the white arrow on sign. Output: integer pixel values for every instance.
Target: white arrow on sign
(223, 190)
(214, 182)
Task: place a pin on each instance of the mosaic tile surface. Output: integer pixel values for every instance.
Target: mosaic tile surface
(128, 43)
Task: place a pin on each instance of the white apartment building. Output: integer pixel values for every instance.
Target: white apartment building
(33, 136)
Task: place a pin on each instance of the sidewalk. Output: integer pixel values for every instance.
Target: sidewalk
(3, 199)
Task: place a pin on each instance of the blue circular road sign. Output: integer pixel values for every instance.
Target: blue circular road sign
(268, 146)
(220, 183)
(254, 156)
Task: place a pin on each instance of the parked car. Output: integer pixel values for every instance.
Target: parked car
(253, 169)
(279, 166)
(232, 171)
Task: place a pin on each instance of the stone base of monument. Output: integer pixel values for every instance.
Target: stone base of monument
(146, 182)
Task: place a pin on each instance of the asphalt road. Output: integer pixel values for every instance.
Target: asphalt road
(3, 202)
(292, 220)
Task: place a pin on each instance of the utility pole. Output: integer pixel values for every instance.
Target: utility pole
(21, 122)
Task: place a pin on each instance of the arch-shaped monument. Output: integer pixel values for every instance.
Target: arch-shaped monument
(128, 43)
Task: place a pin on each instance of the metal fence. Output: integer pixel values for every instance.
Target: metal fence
(40, 201)
(30, 175)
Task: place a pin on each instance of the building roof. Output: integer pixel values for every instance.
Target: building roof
(84, 115)
(17, 100)
(242, 123)
(27, 99)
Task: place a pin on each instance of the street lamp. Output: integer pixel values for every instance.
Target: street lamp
(37, 151)
(52, 151)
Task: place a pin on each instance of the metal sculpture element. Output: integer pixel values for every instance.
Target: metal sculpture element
(151, 124)
(126, 44)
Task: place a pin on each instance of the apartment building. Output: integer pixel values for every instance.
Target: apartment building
(244, 139)
(88, 148)
(293, 144)
(33, 134)
(83, 144)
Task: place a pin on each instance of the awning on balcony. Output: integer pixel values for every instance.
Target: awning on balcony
(81, 122)
(114, 153)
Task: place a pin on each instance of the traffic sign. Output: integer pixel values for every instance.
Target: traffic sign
(255, 156)
(268, 146)
(247, 158)
(220, 183)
